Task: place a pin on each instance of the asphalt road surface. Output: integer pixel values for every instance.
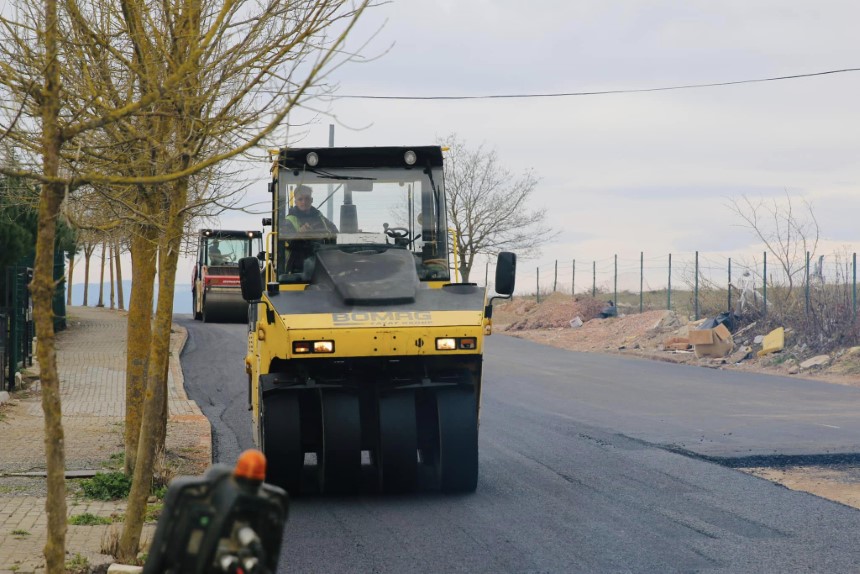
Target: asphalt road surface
(589, 463)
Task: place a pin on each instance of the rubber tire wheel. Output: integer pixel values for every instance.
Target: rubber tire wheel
(284, 456)
(204, 316)
(341, 449)
(458, 439)
(197, 314)
(398, 441)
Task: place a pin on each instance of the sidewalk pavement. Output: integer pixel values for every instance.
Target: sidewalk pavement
(91, 361)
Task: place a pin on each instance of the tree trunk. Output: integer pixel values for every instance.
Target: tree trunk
(139, 336)
(119, 288)
(87, 256)
(110, 268)
(71, 277)
(42, 289)
(156, 381)
(101, 302)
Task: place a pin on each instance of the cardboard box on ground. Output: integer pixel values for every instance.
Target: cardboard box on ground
(716, 342)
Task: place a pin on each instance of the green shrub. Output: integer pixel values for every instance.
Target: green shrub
(107, 486)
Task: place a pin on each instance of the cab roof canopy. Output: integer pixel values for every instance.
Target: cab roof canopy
(360, 157)
(230, 233)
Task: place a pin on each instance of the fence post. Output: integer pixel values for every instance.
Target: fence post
(641, 276)
(594, 278)
(555, 277)
(854, 284)
(615, 284)
(669, 288)
(573, 280)
(537, 281)
(696, 289)
(764, 285)
(14, 326)
(730, 286)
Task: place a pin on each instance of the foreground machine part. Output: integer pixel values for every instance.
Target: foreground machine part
(226, 521)
(215, 279)
(364, 360)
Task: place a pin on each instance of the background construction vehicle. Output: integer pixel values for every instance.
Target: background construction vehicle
(215, 278)
(364, 360)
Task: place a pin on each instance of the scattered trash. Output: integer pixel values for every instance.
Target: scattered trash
(742, 354)
(817, 361)
(609, 311)
(773, 342)
(716, 342)
(576, 322)
(758, 339)
(727, 319)
(676, 344)
(669, 320)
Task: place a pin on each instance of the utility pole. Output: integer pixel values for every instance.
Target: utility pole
(330, 203)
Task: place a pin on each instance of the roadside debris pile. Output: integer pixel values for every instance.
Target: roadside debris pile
(555, 311)
(720, 342)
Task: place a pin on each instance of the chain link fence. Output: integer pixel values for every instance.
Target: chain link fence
(815, 294)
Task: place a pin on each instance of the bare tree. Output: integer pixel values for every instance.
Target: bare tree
(489, 206)
(169, 89)
(788, 233)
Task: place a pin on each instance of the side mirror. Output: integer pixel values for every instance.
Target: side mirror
(249, 279)
(506, 273)
(261, 255)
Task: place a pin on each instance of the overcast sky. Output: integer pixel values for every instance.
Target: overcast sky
(622, 173)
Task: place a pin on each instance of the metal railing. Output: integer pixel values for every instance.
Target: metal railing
(18, 329)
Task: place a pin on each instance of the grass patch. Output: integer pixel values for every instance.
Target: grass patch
(107, 486)
(77, 564)
(20, 532)
(153, 511)
(116, 460)
(12, 489)
(87, 519)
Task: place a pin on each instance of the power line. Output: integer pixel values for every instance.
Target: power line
(602, 92)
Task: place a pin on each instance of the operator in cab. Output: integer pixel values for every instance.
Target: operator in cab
(304, 217)
(307, 226)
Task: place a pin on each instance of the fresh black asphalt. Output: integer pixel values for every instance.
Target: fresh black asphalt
(589, 463)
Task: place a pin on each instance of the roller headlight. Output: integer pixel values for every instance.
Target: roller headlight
(312, 159)
(410, 158)
(447, 344)
(456, 343)
(309, 347)
(323, 346)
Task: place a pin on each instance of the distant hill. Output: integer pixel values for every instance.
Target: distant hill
(181, 296)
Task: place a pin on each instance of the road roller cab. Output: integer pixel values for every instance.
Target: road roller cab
(215, 278)
(364, 358)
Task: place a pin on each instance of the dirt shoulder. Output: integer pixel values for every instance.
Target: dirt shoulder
(650, 335)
